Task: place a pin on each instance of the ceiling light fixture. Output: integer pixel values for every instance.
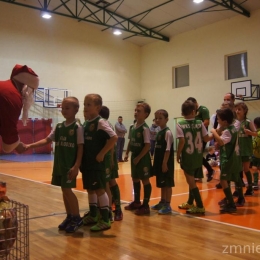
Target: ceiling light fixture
(117, 32)
(198, 1)
(46, 15)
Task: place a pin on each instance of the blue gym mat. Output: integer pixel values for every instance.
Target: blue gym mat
(27, 157)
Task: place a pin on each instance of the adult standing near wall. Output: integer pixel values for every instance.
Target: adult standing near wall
(203, 115)
(16, 95)
(154, 129)
(120, 131)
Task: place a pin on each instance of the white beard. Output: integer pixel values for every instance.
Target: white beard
(27, 96)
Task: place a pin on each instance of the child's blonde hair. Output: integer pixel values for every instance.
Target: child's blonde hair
(96, 98)
(72, 100)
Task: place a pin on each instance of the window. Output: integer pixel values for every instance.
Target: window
(236, 66)
(180, 76)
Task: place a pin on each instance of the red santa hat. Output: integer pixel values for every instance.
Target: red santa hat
(25, 75)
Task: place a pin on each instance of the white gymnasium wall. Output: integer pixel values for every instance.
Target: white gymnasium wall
(204, 50)
(71, 55)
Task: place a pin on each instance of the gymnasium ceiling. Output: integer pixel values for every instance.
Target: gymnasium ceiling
(144, 21)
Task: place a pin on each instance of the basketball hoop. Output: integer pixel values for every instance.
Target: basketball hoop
(59, 107)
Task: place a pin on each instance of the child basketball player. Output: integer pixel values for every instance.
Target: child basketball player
(139, 145)
(230, 160)
(99, 139)
(191, 134)
(68, 138)
(163, 166)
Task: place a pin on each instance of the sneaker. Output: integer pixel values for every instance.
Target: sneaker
(165, 210)
(64, 223)
(195, 210)
(235, 193)
(157, 206)
(218, 186)
(75, 223)
(210, 176)
(88, 220)
(142, 211)
(255, 186)
(240, 202)
(101, 225)
(118, 215)
(222, 202)
(111, 216)
(185, 205)
(133, 205)
(249, 192)
(228, 209)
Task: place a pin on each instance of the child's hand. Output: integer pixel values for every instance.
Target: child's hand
(247, 131)
(164, 167)
(136, 160)
(72, 173)
(126, 158)
(179, 158)
(100, 157)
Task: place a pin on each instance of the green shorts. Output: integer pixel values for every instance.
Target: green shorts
(165, 179)
(197, 173)
(255, 162)
(142, 170)
(245, 158)
(62, 181)
(94, 180)
(114, 174)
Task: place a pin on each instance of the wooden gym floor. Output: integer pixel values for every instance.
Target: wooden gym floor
(175, 236)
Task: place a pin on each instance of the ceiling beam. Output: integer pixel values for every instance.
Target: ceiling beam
(106, 17)
(232, 5)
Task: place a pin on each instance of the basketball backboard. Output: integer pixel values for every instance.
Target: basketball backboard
(245, 90)
(51, 97)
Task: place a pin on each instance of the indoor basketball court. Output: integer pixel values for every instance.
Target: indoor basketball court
(28, 180)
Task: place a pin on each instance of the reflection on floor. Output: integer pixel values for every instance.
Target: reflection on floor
(39, 168)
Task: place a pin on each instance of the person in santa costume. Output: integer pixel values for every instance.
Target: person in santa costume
(16, 96)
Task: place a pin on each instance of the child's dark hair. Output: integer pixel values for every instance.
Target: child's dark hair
(147, 108)
(192, 99)
(226, 114)
(243, 106)
(163, 112)
(104, 112)
(257, 122)
(187, 107)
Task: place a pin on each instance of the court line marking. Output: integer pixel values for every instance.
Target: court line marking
(175, 212)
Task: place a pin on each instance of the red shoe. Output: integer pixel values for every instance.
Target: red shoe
(133, 205)
(143, 211)
(118, 215)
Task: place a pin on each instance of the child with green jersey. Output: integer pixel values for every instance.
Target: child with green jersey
(230, 160)
(112, 168)
(256, 151)
(139, 145)
(245, 143)
(191, 134)
(68, 138)
(163, 164)
(99, 139)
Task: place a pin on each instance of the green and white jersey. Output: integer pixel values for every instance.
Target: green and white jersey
(230, 161)
(202, 113)
(256, 144)
(193, 132)
(96, 133)
(164, 142)
(139, 136)
(244, 140)
(66, 138)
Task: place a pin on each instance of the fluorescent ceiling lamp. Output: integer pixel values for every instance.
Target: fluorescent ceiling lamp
(46, 15)
(117, 32)
(198, 1)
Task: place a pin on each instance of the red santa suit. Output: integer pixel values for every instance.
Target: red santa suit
(11, 104)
